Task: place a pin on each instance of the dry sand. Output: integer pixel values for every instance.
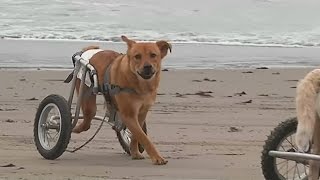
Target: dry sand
(191, 131)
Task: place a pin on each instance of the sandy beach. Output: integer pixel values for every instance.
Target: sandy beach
(216, 135)
(229, 81)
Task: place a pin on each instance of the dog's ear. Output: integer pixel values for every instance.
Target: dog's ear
(164, 46)
(128, 41)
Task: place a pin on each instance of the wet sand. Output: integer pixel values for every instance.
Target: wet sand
(209, 124)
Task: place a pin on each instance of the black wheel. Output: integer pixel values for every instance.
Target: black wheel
(124, 137)
(52, 126)
(282, 139)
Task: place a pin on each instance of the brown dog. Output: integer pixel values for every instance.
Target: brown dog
(140, 70)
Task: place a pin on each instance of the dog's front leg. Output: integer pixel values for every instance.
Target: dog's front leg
(134, 146)
(133, 125)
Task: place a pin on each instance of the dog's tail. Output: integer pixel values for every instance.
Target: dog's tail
(307, 105)
(90, 47)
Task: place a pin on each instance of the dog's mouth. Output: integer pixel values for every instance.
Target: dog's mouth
(146, 75)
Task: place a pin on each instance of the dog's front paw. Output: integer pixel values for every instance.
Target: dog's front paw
(137, 156)
(302, 141)
(159, 160)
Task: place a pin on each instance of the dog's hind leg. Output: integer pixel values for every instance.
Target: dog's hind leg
(89, 108)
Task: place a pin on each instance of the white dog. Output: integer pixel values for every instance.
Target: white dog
(308, 111)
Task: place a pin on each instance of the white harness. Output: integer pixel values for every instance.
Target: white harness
(87, 55)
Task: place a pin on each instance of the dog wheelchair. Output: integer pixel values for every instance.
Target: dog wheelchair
(54, 120)
(280, 158)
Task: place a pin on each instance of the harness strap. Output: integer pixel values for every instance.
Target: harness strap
(112, 89)
(70, 76)
(107, 89)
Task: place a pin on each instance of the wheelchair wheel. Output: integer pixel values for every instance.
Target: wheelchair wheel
(124, 137)
(282, 138)
(52, 127)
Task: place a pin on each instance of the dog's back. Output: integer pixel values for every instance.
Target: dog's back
(89, 48)
(101, 60)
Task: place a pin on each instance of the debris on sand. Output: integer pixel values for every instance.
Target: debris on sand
(276, 73)
(165, 69)
(8, 109)
(240, 94)
(210, 80)
(246, 102)
(199, 93)
(9, 121)
(293, 87)
(22, 79)
(293, 80)
(232, 154)
(180, 95)
(205, 79)
(262, 68)
(234, 129)
(196, 80)
(247, 72)
(32, 99)
(203, 93)
(263, 95)
(8, 165)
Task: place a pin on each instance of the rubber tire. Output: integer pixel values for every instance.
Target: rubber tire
(274, 139)
(125, 146)
(66, 127)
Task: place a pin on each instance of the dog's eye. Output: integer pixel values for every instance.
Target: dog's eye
(138, 56)
(153, 55)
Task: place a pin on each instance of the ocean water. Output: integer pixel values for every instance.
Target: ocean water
(228, 22)
(271, 23)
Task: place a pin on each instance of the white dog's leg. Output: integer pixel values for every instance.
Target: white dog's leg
(307, 115)
(306, 105)
(315, 165)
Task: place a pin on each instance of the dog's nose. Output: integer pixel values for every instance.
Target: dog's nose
(147, 67)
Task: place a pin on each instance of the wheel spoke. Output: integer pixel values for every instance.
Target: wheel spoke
(294, 172)
(49, 135)
(283, 165)
(48, 141)
(291, 144)
(305, 170)
(283, 161)
(54, 134)
(298, 171)
(289, 170)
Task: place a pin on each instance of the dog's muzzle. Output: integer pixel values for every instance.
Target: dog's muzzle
(147, 72)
